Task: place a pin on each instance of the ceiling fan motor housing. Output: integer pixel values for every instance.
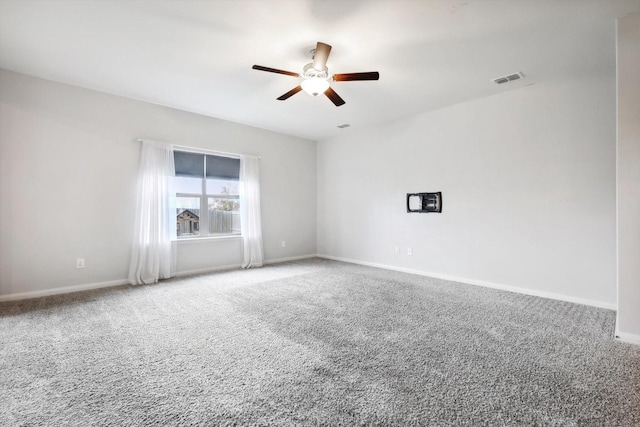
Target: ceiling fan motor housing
(309, 72)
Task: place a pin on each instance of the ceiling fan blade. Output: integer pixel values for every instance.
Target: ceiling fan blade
(334, 97)
(321, 55)
(290, 93)
(347, 77)
(275, 70)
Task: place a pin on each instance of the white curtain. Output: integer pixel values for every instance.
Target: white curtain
(250, 220)
(152, 257)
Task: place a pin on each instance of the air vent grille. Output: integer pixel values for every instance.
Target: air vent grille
(509, 78)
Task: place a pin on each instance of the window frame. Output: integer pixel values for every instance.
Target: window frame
(203, 223)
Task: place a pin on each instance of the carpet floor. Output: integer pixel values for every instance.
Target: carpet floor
(312, 342)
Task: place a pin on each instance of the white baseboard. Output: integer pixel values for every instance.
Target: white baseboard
(291, 258)
(498, 286)
(207, 270)
(90, 286)
(77, 288)
(629, 338)
(63, 290)
(235, 266)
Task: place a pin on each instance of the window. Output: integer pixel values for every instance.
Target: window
(207, 198)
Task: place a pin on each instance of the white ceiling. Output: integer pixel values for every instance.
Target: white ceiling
(197, 55)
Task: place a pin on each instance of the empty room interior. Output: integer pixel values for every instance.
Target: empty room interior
(304, 212)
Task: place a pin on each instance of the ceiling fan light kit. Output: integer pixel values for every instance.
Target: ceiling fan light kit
(315, 85)
(317, 78)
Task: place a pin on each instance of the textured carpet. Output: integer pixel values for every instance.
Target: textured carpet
(313, 342)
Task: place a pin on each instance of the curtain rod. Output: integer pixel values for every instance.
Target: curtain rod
(201, 150)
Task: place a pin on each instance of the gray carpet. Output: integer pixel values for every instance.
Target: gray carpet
(313, 342)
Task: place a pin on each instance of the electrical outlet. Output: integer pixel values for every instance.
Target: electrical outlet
(284, 244)
(80, 263)
(409, 251)
(397, 250)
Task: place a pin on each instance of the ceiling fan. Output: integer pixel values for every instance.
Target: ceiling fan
(317, 78)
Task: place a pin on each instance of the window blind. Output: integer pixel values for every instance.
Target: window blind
(189, 164)
(219, 167)
(199, 165)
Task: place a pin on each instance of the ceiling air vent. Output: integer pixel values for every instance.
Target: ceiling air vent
(509, 78)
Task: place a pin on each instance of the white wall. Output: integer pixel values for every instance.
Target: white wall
(528, 182)
(528, 179)
(628, 179)
(68, 165)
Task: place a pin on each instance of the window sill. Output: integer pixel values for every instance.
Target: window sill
(207, 239)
